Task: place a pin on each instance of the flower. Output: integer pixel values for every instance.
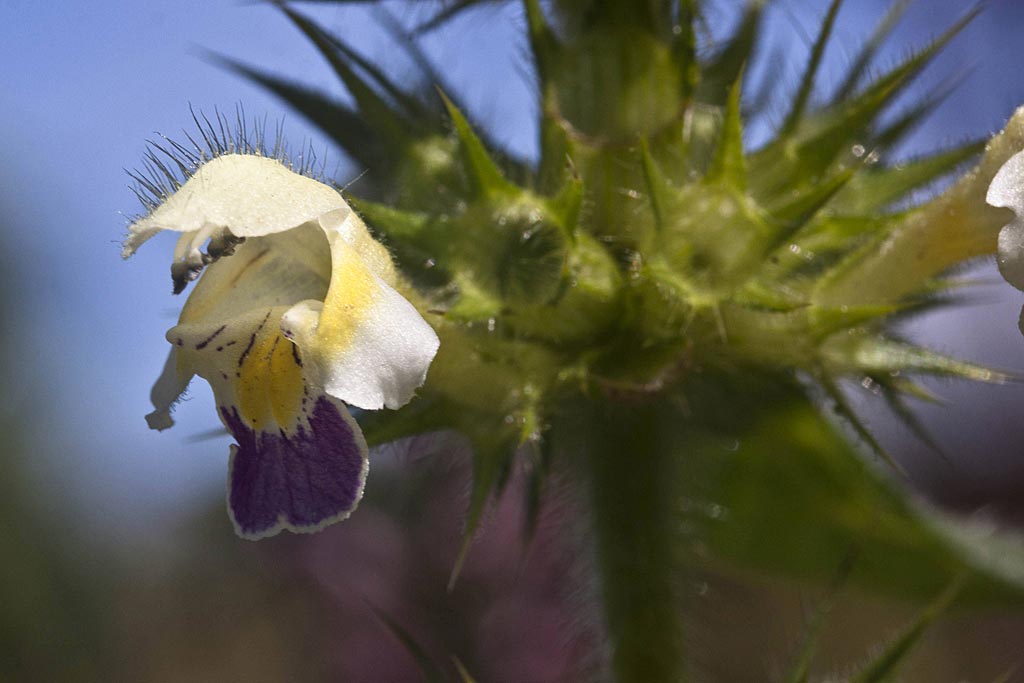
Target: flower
(1007, 191)
(296, 317)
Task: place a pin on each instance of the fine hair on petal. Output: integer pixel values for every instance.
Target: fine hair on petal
(168, 163)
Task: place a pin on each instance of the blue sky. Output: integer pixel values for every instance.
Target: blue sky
(86, 83)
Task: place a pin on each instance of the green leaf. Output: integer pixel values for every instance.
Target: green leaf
(913, 66)
(831, 134)
(876, 189)
(795, 214)
(955, 226)
(345, 126)
(916, 390)
(844, 410)
(794, 498)
(800, 670)
(555, 154)
(658, 185)
(870, 354)
(428, 668)
(728, 166)
(825, 322)
(894, 397)
(724, 69)
(650, 16)
(454, 9)
(517, 169)
(493, 449)
(431, 77)
(555, 143)
(398, 225)
(803, 93)
(870, 49)
(684, 47)
(475, 304)
(889, 135)
(413, 106)
(425, 414)
(543, 42)
(565, 206)
(760, 97)
(377, 111)
(464, 674)
(541, 458)
(884, 665)
(484, 174)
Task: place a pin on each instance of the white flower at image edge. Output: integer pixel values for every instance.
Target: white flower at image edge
(295, 318)
(1007, 191)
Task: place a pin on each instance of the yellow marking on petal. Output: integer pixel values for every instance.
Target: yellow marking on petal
(270, 383)
(286, 384)
(374, 254)
(352, 293)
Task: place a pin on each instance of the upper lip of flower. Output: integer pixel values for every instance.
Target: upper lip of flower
(248, 194)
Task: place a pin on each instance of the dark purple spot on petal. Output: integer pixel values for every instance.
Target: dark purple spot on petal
(302, 478)
(203, 344)
(252, 340)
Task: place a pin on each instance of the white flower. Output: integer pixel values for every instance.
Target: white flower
(295, 317)
(1007, 191)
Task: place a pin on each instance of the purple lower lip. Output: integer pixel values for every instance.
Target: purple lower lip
(297, 480)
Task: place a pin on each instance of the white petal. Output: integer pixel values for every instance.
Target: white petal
(1007, 190)
(389, 356)
(264, 272)
(346, 227)
(137, 236)
(166, 391)
(248, 195)
(370, 346)
(381, 364)
(1007, 187)
(1011, 253)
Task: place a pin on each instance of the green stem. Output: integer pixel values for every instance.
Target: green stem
(632, 480)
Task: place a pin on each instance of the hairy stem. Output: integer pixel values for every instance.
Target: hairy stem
(632, 480)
